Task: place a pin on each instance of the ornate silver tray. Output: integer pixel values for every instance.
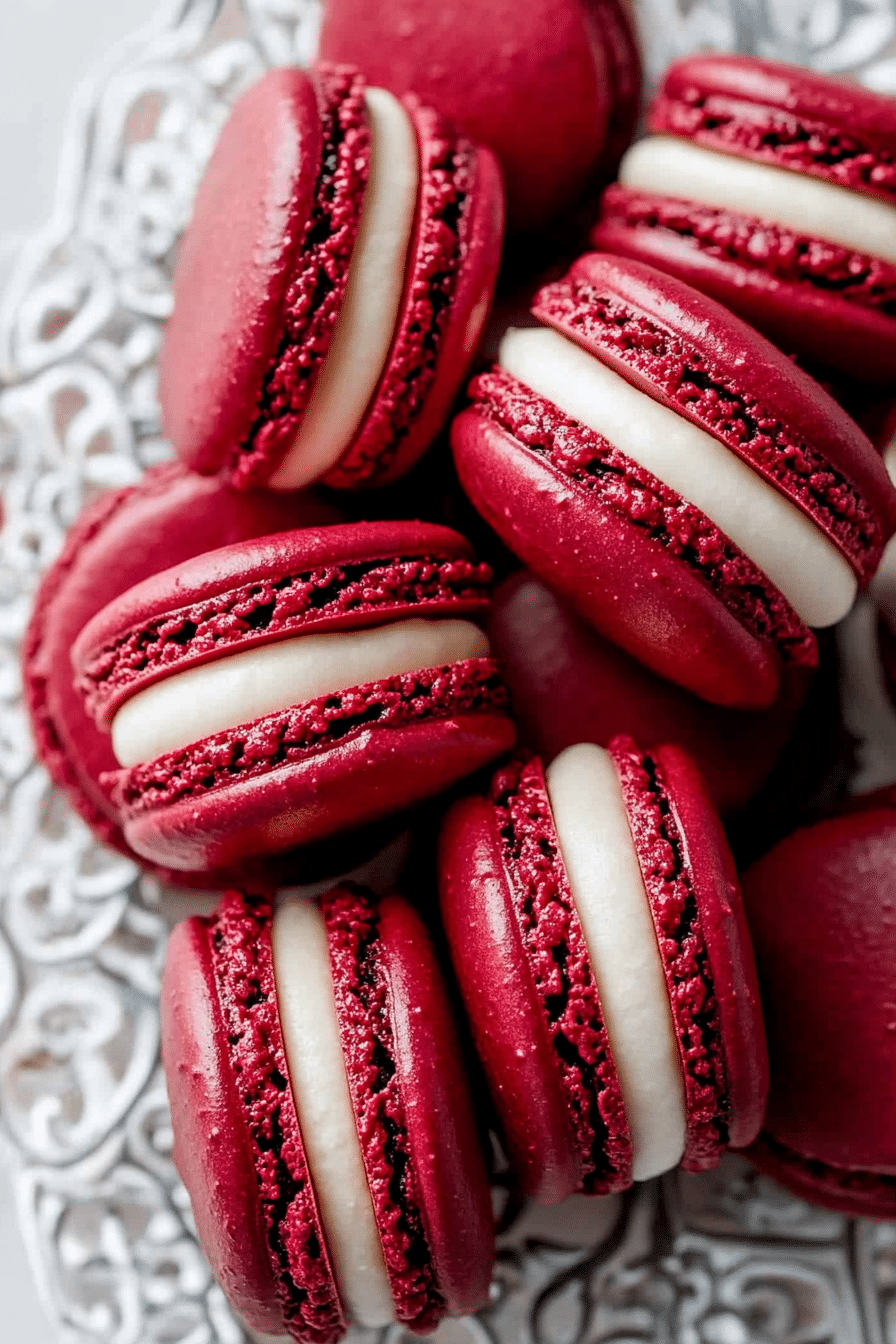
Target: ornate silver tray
(723, 1259)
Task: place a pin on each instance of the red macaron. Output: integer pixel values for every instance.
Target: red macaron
(597, 934)
(280, 691)
(568, 684)
(123, 538)
(321, 1116)
(552, 86)
(773, 189)
(696, 497)
(822, 912)
(325, 329)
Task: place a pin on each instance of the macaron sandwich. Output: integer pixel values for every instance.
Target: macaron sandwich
(324, 332)
(278, 691)
(773, 189)
(598, 938)
(322, 1120)
(698, 499)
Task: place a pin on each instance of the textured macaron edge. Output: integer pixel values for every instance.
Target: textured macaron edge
(369, 1047)
(286, 737)
(783, 115)
(389, 438)
(858, 1194)
(591, 465)
(611, 29)
(352, 595)
(240, 941)
(314, 294)
(690, 353)
(558, 961)
(664, 858)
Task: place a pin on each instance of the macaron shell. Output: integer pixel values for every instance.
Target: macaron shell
(603, 556)
(613, 30)
(688, 352)
(268, 588)
(328, 766)
(825, 301)
(735, 988)
(782, 114)
(820, 907)
(568, 684)
(452, 1186)
(118, 541)
(212, 1150)
(858, 1194)
(503, 1004)
(530, 83)
(231, 282)
(452, 271)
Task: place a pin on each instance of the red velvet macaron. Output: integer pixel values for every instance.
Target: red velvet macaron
(118, 541)
(696, 497)
(552, 86)
(773, 189)
(568, 684)
(331, 288)
(822, 911)
(596, 930)
(280, 691)
(322, 1120)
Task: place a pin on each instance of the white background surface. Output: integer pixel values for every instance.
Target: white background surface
(46, 48)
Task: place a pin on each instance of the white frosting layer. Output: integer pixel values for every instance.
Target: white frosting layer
(366, 324)
(808, 205)
(326, 1118)
(244, 686)
(605, 879)
(786, 545)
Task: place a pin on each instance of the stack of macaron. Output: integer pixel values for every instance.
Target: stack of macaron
(257, 666)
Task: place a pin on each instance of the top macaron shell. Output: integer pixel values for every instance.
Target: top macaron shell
(551, 87)
(122, 539)
(640, 562)
(820, 907)
(824, 300)
(328, 764)
(257, 302)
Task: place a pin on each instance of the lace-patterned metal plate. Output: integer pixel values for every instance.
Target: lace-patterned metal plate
(722, 1259)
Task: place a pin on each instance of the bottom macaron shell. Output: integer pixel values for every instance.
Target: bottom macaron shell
(823, 301)
(635, 589)
(212, 1150)
(858, 1194)
(330, 765)
(519, 954)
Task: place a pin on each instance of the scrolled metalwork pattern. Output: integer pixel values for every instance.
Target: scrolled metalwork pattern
(727, 1258)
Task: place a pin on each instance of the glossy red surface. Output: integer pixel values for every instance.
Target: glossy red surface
(822, 911)
(529, 81)
(568, 684)
(126, 536)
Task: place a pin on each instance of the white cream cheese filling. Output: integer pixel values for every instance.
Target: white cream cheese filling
(320, 1090)
(369, 314)
(667, 166)
(213, 697)
(608, 891)
(799, 559)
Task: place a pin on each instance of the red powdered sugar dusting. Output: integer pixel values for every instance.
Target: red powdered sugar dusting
(663, 859)
(776, 136)
(591, 462)
(314, 297)
(558, 958)
(240, 942)
(759, 244)
(447, 171)
(291, 735)
(362, 1006)
(282, 605)
(711, 395)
